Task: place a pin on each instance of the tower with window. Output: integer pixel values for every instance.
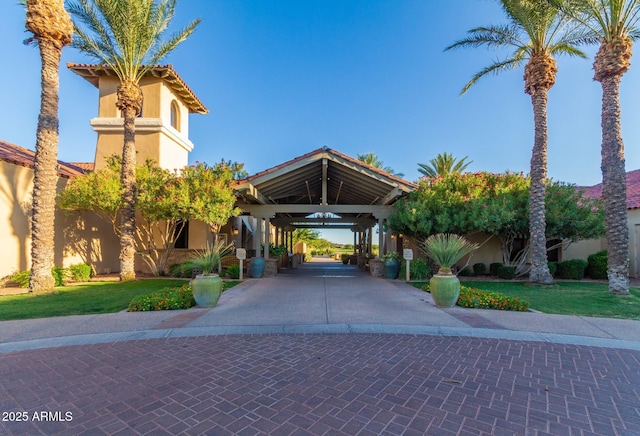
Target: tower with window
(162, 129)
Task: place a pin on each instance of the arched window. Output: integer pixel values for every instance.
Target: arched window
(175, 115)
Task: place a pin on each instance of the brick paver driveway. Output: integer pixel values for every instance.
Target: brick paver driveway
(321, 384)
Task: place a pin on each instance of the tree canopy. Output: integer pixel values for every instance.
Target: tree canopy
(165, 200)
(495, 204)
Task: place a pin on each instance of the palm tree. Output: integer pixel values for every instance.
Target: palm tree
(51, 27)
(536, 33)
(615, 25)
(444, 164)
(373, 160)
(128, 37)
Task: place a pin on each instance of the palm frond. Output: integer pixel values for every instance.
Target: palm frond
(126, 35)
(492, 36)
(495, 68)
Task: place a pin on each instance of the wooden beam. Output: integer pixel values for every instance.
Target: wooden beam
(271, 209)
(391, 195)
(249, 190)
(324, 180)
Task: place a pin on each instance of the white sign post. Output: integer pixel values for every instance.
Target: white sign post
(407, 253)
(241, 254)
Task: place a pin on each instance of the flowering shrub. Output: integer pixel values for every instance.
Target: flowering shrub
(473, 298)
(165, 299)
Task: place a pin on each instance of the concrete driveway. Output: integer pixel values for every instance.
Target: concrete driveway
(325, 292)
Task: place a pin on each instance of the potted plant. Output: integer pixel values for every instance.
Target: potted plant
(344, 257)
(207, 286)
(391, 264)
(446, 249)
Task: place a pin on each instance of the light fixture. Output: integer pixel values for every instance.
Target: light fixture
(234, 230)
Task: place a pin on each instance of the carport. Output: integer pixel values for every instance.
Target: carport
(320, 189)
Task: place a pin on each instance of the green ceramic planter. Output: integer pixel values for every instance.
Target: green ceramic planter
(391, 268)
(445, 290)
(207, 290)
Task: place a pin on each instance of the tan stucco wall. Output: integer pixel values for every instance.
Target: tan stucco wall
(582, 249)
(155, 138)
(490, 250)
(110, 144)
(16, 186)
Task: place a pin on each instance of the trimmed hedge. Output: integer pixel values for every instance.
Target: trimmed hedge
(506, 272)
(465, 273)
(553, 267)
(493, 268)
(80, 272)
(572, 269)
(597, 265)
(479, 269)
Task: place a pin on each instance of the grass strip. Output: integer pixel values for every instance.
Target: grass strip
(81, 299)
(567, 297)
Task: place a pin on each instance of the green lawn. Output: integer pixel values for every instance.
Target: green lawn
(86, 298)
(568, 298)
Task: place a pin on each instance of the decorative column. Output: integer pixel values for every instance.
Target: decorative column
(238, 237)
(381, 237)
(257, 240)
(354, 241)
(267, 236)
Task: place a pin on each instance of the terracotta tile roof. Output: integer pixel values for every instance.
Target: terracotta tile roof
(633, 190)
(335, 153)
(87, 166)
(92, 73)
(21, 156)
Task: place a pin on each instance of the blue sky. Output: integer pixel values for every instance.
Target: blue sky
(284, 77)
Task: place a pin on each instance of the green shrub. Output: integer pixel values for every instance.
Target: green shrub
(20, 279)
(476, 299)
(233, 271)
(164, 299)
(466, 272)
(80, 272)
(479, 269)
(572, 269)
(597, 265)
(473, 298)
(344, 257)
(506, 272)
(420, 269)
(59, 275)
(184, 269)
(553, 268)
(493, 268)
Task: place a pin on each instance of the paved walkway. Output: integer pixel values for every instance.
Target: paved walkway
(279, 356)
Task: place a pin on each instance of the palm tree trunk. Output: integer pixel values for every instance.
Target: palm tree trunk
(45, 171)
(614, 187)
(537, 214)
(130, 103)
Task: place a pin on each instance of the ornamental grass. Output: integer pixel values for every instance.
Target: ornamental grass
(446, 249)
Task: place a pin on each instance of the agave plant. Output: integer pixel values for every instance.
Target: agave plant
(208, 259)
(446, 249)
